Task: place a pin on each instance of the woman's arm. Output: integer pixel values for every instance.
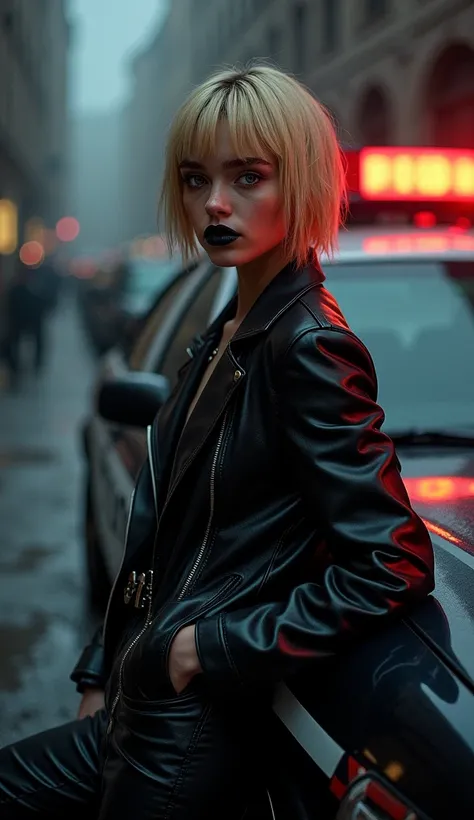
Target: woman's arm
(348, 475)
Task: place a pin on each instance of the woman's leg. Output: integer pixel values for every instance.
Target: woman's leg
(55, 774)
(181, 759)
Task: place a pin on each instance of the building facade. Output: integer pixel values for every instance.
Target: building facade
(391, 71)
(161, 78)
(96, 184)
(34, 42)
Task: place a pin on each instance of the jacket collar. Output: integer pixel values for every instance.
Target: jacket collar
(283, 290)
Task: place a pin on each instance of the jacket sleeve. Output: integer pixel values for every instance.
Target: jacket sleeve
(348, 476)
(89, 670)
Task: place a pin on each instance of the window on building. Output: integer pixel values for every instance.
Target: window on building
(300, 22)
(330, 21)
(449, 98)
(375, 10)
(374, 119)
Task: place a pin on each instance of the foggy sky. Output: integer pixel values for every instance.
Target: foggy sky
(104, 32)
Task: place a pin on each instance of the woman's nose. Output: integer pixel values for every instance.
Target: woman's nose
(218, 203)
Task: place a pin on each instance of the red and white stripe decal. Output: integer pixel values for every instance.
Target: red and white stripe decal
(315, 741)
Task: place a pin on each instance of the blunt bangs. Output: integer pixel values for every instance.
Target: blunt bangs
(269, 113)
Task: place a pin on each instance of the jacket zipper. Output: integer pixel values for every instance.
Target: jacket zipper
(212, 494)
(129, 648)
(192, 572)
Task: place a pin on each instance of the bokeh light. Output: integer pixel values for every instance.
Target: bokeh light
(32, 253)
(8, 226)
(67, 229)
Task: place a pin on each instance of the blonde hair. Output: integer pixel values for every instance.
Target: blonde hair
(271, 112)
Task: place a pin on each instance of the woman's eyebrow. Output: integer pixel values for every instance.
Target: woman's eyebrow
(230, 163)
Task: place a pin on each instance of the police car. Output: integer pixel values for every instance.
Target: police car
(387, 730)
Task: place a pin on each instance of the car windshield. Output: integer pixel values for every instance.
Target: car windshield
(145, 280)
(417, 320)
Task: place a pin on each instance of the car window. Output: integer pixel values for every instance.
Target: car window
(152, 325)
(146, 280)
(417, 320)
(194, 320)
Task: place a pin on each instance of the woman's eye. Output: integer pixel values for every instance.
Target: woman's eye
(250, 178)
(194, 180)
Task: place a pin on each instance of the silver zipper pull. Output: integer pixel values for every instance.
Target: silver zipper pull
(129, 590)
(144, 589)
(140, 584)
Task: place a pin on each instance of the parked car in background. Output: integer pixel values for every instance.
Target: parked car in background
(120, 293)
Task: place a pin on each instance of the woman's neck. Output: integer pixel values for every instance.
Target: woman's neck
(254, 277)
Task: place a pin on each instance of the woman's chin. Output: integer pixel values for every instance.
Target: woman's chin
(226, 255)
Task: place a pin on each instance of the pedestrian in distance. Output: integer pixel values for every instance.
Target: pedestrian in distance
(27, 308)
(270, 528)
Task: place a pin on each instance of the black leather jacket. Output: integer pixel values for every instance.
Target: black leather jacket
(280, 522)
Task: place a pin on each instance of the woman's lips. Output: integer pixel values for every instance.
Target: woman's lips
(220, 235)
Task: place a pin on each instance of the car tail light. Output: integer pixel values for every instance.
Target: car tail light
(370, 799)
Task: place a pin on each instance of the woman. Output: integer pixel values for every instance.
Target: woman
(270, 527)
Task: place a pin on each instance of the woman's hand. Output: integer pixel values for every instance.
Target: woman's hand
(183, 659)
(92, 701)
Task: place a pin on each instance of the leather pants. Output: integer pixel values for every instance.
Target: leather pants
(182, 757)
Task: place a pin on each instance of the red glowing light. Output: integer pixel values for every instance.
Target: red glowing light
(425, 219)
(413, 243)
(32, 253)
(67, 229)
(417, 174)
(437, 489)
(83, 268)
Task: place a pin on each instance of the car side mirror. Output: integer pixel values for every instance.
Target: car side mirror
(133, 399)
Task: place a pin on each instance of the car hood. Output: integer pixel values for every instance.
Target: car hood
(440, 484)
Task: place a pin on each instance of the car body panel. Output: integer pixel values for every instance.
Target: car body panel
(396, 707)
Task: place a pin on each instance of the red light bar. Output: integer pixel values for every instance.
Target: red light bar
(437, 489)
(417, 174)
(403, 243)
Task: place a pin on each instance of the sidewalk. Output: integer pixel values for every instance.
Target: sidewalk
(43, 623)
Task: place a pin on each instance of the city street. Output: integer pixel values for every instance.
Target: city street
(43, 617)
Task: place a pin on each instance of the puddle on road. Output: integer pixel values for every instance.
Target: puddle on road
(28, 559)
(17, 644)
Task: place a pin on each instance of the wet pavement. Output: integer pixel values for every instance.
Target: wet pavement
(43, 616)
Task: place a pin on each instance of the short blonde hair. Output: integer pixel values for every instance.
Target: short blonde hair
(271, 112)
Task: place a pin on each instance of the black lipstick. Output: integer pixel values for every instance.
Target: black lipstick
(220, 235)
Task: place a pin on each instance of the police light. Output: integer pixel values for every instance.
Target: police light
(409, 243)
(416, 174)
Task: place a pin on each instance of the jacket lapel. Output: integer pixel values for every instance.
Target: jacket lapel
(209, 410)
(170, 421)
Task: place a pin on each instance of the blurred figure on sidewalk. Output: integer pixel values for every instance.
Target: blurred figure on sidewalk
(31, 297)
